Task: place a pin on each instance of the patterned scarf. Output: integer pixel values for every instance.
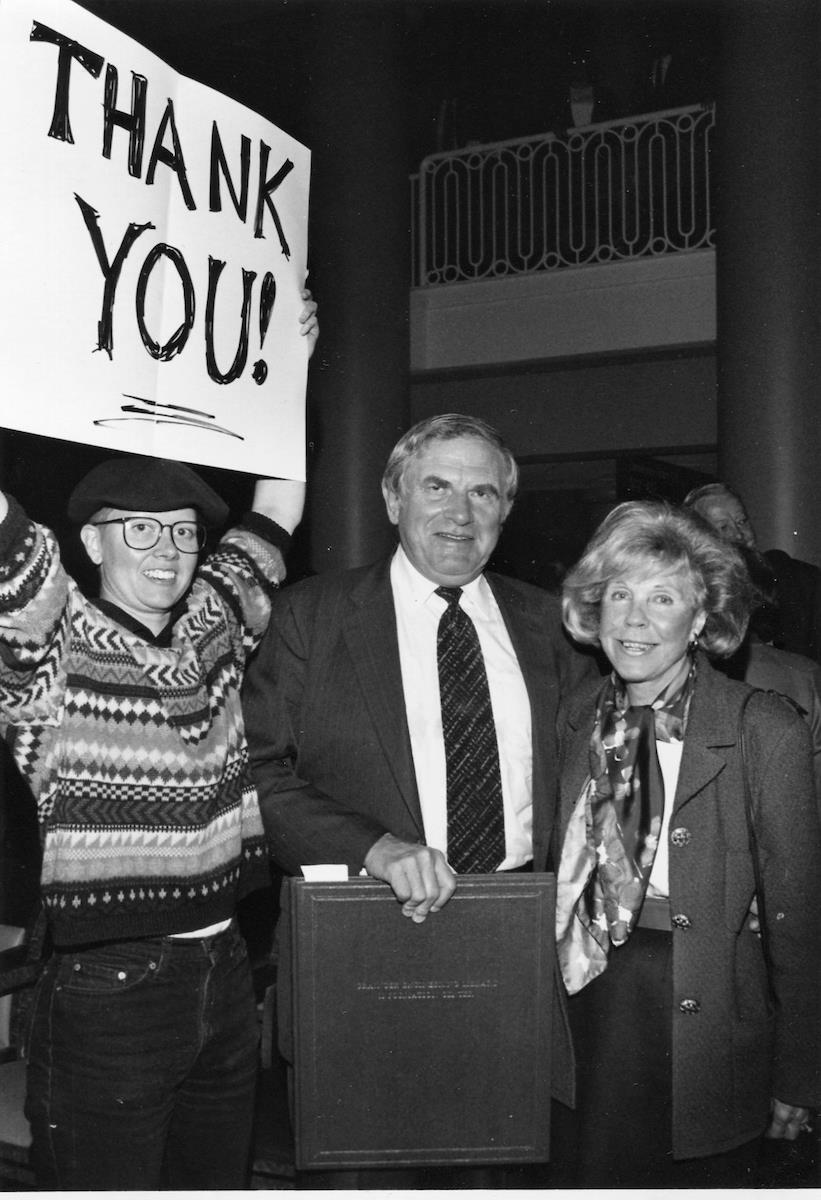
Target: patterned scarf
(612, 835)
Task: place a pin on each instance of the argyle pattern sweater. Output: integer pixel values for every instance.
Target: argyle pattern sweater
(134, 751)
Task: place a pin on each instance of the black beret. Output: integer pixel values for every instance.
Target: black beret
(143, 484)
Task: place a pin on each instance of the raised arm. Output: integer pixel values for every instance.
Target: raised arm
(283, 500)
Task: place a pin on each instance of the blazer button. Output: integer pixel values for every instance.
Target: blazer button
(680, 836)
(690, 1006)
(680, 921)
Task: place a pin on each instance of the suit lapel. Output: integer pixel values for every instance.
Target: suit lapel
(575, 751)
(369, 629)
(698, 767)
(711, 727)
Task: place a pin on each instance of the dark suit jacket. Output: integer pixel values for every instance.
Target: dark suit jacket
(792, 675)
(798, 604)
(329, 741)
(733, 1052)
(325, 715)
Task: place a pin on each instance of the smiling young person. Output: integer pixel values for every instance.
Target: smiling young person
(682, 1064)
(146, 561)
(123, 714)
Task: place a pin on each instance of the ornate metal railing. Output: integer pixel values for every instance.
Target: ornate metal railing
(638, 186)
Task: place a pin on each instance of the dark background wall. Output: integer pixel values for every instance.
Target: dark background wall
(631, 402)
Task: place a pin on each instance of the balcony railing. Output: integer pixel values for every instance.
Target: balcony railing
(637, 186)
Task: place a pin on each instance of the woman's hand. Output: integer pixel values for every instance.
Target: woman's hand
(787, 1121)
(308, 320)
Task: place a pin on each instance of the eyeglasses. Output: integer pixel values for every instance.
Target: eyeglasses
(143, 533)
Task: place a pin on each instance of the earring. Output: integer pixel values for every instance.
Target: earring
(693, 645)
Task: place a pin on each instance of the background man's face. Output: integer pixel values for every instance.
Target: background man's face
(450, 508)
(145, 583)
(728, 518)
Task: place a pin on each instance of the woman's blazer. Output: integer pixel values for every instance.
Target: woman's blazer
(732, 1048)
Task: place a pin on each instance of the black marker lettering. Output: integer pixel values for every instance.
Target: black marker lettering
(171, 158)
(264, 196)
(133, 121)
(111, 270)
(215, 269)
(176, 342)
(70, 51)
(219, 164)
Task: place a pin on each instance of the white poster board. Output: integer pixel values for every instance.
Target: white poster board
(152, 253)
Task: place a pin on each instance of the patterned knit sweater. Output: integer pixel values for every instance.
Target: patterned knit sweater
(135, 751)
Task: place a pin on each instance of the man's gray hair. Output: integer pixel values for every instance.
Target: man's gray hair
(698, 498)
(444, 427)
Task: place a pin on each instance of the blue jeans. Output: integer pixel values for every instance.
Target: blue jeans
(143, 1064)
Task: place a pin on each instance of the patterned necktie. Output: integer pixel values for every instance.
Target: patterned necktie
(476, 825)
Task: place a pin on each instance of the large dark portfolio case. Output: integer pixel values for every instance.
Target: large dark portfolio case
(422, 1043)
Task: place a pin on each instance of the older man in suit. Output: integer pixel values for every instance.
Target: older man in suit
(378, 715)
(345, 725)
(401, 716)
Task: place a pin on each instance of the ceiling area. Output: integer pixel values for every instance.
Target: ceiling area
(473, 70)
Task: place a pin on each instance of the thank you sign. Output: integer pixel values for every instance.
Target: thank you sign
(153, 250)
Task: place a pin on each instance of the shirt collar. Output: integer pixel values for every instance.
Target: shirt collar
(477, 594)
(163, 638)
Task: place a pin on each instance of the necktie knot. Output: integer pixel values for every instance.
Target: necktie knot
(450, 595)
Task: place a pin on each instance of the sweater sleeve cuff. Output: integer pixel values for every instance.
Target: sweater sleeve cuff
(12, 527)
(268, 529)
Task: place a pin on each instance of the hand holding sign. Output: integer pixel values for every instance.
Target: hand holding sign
(309, 321)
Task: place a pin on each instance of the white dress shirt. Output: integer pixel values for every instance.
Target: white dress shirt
(669, 755)
(418, 610)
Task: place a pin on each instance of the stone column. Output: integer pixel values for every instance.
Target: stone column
(766, 167)
(360, 272)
